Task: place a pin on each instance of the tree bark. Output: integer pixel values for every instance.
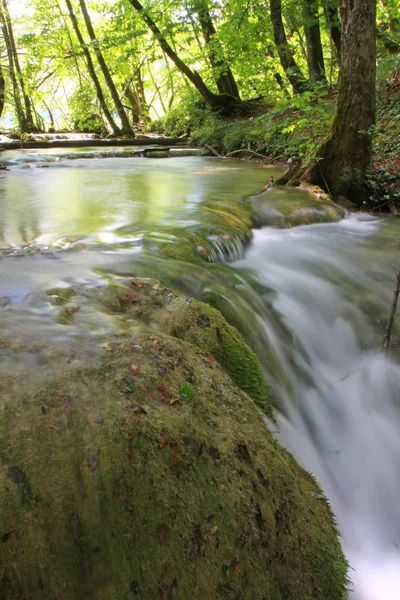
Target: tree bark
(126, 128)
(289, 65)
(92, 71)
(333, 21)
(343, 159)
(315, 55)
(224, 103)
(224, 78)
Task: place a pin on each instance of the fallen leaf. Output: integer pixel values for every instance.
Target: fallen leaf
(174, 400)
(133, 296)
(165, 393)
(176, 461)
(214, 530)
(163, 442)
(135, 369)
(237, 571)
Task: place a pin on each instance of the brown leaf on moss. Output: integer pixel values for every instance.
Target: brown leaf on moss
(135, 369)
(237, 570)
(133, 296)
(176, 461)
(165, 393)
(163, 442)
(174, 400)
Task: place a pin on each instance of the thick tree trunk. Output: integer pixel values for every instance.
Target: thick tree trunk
(224, 78)
(345, 156)
(289, 65)
(333, 21)
(224, 103)
(315, 55)
(92, 71)
(29, 120)
(126, 128)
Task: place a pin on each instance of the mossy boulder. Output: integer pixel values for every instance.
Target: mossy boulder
(132, 465)
(283, 207)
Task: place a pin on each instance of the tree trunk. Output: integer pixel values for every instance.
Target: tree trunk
(224, 103)
(333, 21)
(315, 55)
(289, 65)
(343, 159)
(30, 123)
(2, 90)
(19, 111)
(92, 71)
(225, 80)
(126, 128)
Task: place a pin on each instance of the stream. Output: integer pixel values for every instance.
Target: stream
(318, 297)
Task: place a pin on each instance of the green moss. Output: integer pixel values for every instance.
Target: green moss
(114, 486)
(197, 323)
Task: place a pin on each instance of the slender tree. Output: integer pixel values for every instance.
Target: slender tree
(23, 102)
(224, 78)
(315, 55)
(29, 109)
(289, 65)
(2, 90)
(19, 111)
(92, 71)
(126, 128)
(333, 21)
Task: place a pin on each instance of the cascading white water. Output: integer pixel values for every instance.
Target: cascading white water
(342, 419)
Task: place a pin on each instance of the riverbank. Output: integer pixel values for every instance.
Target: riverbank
(296, 128)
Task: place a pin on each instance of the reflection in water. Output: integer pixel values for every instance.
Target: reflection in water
(97, 198)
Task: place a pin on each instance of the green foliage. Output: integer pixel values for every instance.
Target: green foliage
(85, 111)
(187, 116)
(292, 127)
(186, 392)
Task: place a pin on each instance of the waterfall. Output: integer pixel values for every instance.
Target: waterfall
(342, 417)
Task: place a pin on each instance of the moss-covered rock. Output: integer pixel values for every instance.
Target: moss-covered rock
(283, 207)
(133, 466)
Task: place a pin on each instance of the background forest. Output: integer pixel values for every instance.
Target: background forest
(237, 75)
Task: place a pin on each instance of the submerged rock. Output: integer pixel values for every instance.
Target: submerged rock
(151, 472)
